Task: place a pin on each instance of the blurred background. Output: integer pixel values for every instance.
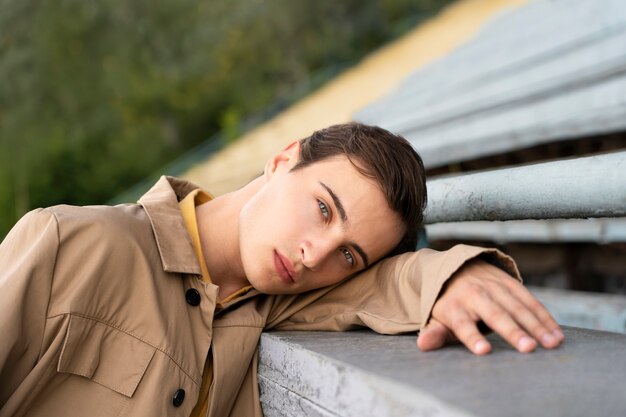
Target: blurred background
(97, 96)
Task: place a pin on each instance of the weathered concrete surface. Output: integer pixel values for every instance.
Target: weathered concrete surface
(584, 309)
(601, 230)
(541, 191)
(514, 87)
(365, 374)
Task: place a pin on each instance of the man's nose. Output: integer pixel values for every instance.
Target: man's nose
(316, 251)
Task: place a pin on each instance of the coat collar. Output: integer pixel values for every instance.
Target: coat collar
(173, 241)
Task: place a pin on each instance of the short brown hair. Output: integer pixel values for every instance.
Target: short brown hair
(378, 154)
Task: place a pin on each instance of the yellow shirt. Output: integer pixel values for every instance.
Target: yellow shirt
(188, 209)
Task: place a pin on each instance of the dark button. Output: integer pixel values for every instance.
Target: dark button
(179, 397)
(192, 296)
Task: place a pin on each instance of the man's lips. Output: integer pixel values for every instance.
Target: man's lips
(284, 268)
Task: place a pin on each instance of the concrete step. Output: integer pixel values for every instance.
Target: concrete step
(361, 373)
(546, 71)
(584, 309)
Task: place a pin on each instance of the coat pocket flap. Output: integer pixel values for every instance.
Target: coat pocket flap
(105, 355)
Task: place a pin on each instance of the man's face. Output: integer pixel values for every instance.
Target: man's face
(314, 226)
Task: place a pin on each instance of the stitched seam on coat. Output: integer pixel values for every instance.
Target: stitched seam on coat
(54, 267)
(115, 388)
(239, 325)
(356, 313)
(119, 388)
(143, 372)
(166, 353)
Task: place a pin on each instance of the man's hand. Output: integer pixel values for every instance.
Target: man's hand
(478, 292)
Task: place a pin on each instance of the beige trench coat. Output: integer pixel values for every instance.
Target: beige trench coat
(99, 314)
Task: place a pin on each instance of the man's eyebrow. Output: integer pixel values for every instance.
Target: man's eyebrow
(337, 202)
(364, 257)
(344, 218)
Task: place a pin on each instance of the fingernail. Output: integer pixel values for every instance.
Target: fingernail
(525, 344)
(558, 334)
(548, 340)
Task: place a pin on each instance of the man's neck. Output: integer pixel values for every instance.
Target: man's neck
(218, 226)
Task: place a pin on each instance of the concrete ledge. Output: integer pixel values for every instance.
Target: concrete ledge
(601, 230)
(547, 190)
(584, 309)
(361, 373)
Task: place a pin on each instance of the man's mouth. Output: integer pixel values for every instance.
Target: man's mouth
(284, 268)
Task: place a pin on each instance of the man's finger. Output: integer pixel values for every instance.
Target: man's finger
(434, 336)
(538, 309)
(503, 323)
(518, 313)
(466, 330)
(526, 317)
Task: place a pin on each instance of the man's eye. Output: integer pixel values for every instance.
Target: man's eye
(323, 209)
(346, 253)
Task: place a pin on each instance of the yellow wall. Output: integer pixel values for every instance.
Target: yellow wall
(375, 76)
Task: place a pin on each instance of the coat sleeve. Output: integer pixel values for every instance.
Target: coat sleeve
(27, 259)
(393, 296)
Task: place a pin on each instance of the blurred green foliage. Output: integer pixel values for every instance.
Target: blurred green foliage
(95, 95)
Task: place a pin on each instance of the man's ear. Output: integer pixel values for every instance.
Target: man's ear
(284, 160)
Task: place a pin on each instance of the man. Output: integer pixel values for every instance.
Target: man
(157, 308)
